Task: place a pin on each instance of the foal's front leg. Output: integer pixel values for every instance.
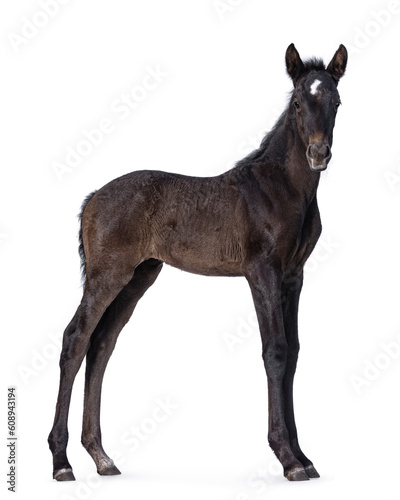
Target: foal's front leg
(265, 284)
(291, 289)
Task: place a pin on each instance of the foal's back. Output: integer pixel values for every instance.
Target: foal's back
(197, 224)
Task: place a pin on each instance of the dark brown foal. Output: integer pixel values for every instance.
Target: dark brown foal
(259, 220)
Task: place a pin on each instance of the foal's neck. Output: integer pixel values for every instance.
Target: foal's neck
(281, 159)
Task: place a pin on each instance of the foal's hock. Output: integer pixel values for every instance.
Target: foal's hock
(259, 220)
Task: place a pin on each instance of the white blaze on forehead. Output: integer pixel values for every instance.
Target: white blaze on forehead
(314, 87)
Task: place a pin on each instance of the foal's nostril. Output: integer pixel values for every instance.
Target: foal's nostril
(328, 152)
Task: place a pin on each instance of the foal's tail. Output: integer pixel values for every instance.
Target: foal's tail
(81, 248)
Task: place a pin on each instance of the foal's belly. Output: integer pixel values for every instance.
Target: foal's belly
(199, 267)
(214, 252)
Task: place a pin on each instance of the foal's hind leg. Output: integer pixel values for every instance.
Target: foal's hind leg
(290, 296)
(100, 291)
(101, 347)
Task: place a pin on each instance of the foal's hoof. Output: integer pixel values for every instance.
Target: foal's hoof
(63, 475)
(109, 471)
(297, 474)
(311, 472)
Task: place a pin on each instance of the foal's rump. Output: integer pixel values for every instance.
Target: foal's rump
(188, 222)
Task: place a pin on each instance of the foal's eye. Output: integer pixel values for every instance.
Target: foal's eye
(296, 105)
(337, 104)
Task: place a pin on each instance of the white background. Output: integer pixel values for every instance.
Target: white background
(224, 86)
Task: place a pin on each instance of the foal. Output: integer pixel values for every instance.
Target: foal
(259, 220)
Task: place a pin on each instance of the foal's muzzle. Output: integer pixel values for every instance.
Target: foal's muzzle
(318, 156)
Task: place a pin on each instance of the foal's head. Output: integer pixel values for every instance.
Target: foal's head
(316, 101)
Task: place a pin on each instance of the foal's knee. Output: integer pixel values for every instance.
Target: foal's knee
(275, 355)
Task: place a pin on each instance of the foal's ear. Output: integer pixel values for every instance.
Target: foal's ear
(294, 64)
(337, 66)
